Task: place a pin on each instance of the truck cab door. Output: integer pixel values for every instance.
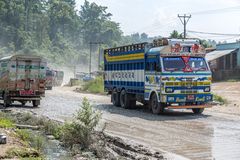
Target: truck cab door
(152, 75)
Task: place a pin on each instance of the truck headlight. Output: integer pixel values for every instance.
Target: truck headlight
(207, 89)
(169, 90)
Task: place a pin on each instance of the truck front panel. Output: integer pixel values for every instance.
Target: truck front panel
(186, 88)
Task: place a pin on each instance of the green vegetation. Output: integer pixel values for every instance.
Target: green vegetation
(94, 86)
(35, 141)
(79, 135)
(219, 99)
(233, 80)
(23, 134)
(79, 132)
(23, 153)
(6, 123)
(52, 128)
(56, 30)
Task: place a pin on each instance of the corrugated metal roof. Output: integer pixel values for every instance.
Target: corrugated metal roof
(217, 54)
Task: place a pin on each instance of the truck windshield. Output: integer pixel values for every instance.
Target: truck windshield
(177, 64)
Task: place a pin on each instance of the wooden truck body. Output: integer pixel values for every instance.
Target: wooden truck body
(22, 78)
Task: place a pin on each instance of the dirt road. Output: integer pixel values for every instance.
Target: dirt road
(213, 135)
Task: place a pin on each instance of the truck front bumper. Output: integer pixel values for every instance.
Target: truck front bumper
(186, 98)
(189, 106)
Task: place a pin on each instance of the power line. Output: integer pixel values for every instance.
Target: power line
(210, 33)
(220, 10)
(219, 39)
(184, 19)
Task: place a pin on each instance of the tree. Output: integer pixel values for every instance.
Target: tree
(93, 17)
(55, 29)
(175, 34)
(144, 37)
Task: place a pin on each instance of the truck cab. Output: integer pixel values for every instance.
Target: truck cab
(164, 74)
(177, 76)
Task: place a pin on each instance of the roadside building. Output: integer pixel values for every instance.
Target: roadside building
(225, 61)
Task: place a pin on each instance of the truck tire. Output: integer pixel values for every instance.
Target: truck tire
(115, 97)
(157, 108)
(198, 110)
(125, 99)
(36, 103)
(6, 101)
(49, 88)
(23, 103)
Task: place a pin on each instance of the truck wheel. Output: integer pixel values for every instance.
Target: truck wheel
(35, 103)
(198, 110)
(157, 108)
(49, 88)
(124, 99)
(23, 103)
(6, 101)
(115, 97)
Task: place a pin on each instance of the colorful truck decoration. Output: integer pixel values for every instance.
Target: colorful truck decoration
(22, 78)
(165, 74)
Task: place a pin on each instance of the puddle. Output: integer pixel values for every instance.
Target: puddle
(54, 151)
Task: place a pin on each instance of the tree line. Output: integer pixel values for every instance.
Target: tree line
(56, 30)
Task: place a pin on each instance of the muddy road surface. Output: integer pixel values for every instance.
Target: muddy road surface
(213, 135)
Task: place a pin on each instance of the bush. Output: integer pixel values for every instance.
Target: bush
(52, 128)
(94, 86)
(219, 99)
(81, 129)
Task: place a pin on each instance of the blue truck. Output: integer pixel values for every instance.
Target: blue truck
(164, 74)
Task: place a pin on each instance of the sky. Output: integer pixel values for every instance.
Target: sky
(159, 17)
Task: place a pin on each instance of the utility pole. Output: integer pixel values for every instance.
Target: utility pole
(90, 59)
(184, 19)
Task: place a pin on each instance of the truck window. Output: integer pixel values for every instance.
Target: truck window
(177, 64)
(173, 64)
(153, 66)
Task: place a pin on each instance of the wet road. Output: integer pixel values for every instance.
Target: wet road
(213, 135)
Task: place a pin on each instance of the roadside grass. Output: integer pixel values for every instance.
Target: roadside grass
(94, 86)
(79, 135)
(233, 80)
(6, 123)
(24, 153)
(31, 139)
(219, 99)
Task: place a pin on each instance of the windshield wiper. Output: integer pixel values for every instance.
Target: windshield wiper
(172, 69)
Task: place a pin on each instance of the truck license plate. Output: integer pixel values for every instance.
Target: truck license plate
(190, 97)
(26, 92)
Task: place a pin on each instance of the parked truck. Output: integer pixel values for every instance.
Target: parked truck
(164, 74)
(22, 78)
